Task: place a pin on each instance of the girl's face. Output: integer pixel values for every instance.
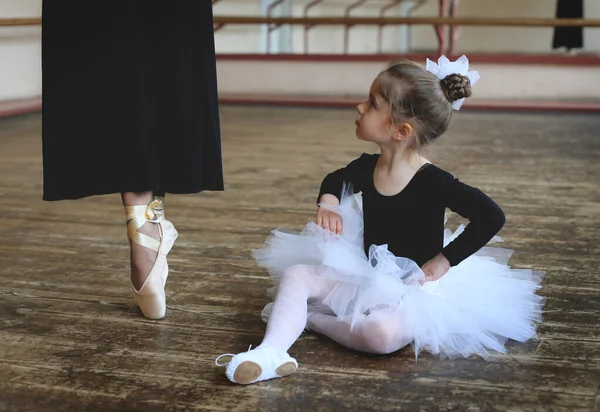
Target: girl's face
(374, 119)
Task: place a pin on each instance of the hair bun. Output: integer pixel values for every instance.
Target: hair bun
(456, 86)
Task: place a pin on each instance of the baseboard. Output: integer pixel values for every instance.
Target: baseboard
(24, 106)
(17, 107)
(475, 104)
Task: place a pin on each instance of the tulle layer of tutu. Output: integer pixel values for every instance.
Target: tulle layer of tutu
(472, 310)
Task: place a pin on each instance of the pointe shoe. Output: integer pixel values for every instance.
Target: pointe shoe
(151, 296)
(260, 364)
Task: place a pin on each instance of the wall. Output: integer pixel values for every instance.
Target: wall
(20, 49)
(332, 79)
(330, 40)
(507, 39)
(20, 61)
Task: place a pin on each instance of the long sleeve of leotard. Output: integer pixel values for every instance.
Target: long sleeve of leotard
(350, 174)
(484, 215)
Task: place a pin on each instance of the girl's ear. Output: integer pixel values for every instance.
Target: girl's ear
(402, 131)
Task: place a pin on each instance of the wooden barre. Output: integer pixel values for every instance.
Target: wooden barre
(372, 21)
(32, 21)
(378, 21)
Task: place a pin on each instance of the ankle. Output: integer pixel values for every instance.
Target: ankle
(150, 229)
(265, 345)
(136, 198)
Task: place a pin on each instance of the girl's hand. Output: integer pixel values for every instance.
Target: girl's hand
(327, 219)
(436, 268)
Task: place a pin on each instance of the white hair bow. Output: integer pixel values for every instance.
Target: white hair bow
(445, 67)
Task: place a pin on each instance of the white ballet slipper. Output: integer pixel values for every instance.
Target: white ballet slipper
(260, 364)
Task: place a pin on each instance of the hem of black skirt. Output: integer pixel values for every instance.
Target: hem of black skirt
(55, 198)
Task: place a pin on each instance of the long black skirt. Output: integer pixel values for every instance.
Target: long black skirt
(569, 37)
(129, 98)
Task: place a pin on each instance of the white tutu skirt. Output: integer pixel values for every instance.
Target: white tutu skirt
(472, 310)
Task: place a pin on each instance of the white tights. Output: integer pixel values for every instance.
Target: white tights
(379, 332)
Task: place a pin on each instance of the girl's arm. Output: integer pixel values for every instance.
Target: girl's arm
(353, 173)
(485, 219)
(331, 191)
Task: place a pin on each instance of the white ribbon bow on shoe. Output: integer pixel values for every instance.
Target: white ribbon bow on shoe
(445, 67)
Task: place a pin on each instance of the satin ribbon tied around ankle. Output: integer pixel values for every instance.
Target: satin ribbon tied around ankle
(155, 211)
(138, 215)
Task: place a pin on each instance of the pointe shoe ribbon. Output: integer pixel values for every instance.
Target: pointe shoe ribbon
(137, 216)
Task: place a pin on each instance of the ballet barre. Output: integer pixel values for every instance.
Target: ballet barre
(308, 22)
(371, 21)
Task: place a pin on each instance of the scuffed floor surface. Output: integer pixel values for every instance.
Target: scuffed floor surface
(71, 338)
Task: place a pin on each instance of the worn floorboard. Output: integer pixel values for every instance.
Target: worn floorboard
(71, 338)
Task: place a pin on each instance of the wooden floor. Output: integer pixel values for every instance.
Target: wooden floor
(72, 340)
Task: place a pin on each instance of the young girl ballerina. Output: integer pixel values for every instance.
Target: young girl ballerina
(377, 271)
